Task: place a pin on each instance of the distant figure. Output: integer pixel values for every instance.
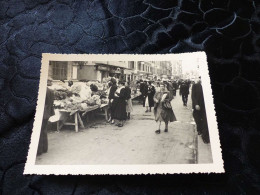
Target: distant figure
(170, 89)
(129, 105)
(175, 87)
(142, 86)
(184, 92)
(157, 87)
(199, 112)
(48, 112)
(163, 109)
(144, 92)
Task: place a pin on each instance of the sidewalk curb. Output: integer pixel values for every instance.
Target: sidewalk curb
(196, 144)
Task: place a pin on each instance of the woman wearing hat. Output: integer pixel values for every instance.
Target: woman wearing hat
(162, 108)
(120, 104)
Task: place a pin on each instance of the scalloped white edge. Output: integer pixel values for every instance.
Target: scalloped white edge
(216, 167)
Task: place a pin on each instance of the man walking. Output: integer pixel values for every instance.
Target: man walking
(184, 92)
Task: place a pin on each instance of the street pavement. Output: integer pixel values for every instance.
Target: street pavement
(134, 143)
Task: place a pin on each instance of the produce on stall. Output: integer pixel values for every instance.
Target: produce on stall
(79, 96)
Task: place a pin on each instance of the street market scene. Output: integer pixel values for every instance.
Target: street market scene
(124, 112)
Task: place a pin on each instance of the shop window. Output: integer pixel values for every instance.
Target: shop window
(131, 65)
(60, 70)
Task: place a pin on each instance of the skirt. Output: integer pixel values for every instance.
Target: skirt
(129, 106)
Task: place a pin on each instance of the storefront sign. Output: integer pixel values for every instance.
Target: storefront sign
(102, 68)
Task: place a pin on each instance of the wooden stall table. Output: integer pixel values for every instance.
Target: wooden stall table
(76, 115)
(105, 108)
(77, 119)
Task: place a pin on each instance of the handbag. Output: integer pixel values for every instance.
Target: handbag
(167, 105)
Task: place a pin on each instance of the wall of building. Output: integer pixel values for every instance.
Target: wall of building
(87, 72)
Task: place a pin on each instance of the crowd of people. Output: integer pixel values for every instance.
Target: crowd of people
(157, 95)
(154, 94)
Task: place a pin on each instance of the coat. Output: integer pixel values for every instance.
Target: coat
(48, 106)
(144, 92)
(160, 112)
(48, 112)
(184, 89)
(120, 105)
(143, 88)
(129, 105)
(197, 96)
(171, 90)
(112, 91)
(150, 93)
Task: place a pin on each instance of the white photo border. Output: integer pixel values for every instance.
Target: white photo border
(216, 167)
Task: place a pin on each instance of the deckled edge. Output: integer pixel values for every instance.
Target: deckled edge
(30, 168)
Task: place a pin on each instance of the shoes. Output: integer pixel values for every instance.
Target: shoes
(165, 130)
(146, 111)
(112, 122)
(158, 131)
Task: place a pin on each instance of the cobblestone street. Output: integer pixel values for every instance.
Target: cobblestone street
(135, 143)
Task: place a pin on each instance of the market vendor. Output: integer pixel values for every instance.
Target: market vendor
(94, 89)
(70, 83)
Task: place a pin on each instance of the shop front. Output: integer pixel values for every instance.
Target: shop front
(116, 72)
(129, 75)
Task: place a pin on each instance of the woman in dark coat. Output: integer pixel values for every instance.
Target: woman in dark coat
(120, 104)
(149, 102)
(111, 97)
(162, 109)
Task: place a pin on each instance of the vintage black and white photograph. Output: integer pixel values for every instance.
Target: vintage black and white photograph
(124, 114)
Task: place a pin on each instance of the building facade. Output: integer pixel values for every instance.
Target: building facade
(177, 69)
(125, 70)
(86, 70)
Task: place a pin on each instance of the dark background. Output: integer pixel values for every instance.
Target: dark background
(228, 30)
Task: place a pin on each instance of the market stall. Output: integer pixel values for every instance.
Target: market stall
(71, 103)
